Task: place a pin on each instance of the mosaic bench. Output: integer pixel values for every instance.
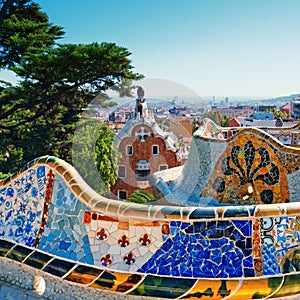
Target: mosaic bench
(52, 220)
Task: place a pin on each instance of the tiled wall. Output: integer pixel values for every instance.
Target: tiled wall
(249, 167)
(51, 220)
(22, 206)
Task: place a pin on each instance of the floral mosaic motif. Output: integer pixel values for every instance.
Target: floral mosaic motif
(144, 240)
(129, 258)
(244, 173)
(267, 232)
(106, 260)
(123, 241)
(102, 234)
(248, 174)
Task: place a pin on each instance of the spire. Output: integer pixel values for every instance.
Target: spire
(141, 104)
(140, 92)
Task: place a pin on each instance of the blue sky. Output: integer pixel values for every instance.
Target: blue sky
(215, 47)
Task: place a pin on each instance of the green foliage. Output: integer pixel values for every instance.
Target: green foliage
(124, 88)
(216, 117)
(102, 100)
(39, 115)
(94, 154)
(25, 30)
(4, 176)
(141, 196)
(195, 125)
(279, 114)
(106, 156)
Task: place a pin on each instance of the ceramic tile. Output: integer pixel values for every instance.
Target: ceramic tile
(45, 223)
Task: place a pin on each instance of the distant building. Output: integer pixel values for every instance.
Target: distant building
(234, 123)
(250, 122)
(265, 107)
(120, 116)
(145, 149)
(287, 108)
(179, 111)
(295, 110)
(263, 115)
(183, 129)
(234, 112)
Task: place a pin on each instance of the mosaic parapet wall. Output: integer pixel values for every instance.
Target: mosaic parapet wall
(51, 220)
(250, 166)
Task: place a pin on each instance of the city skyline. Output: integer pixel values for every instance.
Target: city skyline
(216, 48)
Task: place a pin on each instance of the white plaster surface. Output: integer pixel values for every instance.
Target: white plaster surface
(201, 162)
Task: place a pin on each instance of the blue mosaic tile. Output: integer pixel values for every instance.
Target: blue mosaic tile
(270, 266)
(203, 213)
(65, 215)
(245, 226)
(249, 272)
(204, 249)
(237, 211)
(21, 208)
(248, 262)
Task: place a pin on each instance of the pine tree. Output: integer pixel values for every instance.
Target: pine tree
(38, 116)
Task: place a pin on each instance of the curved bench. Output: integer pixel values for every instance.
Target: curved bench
(52, 220)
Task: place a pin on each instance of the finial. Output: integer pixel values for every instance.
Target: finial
(140, 92)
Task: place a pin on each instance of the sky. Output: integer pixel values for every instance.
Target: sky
(214, 47)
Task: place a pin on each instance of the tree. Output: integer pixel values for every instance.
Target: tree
(4, 9)
(183, 146)
(39, 115)
(216, 117)
(195, 125)
(106, 156)
(279, 114)
(94, 154)
(25, 30)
